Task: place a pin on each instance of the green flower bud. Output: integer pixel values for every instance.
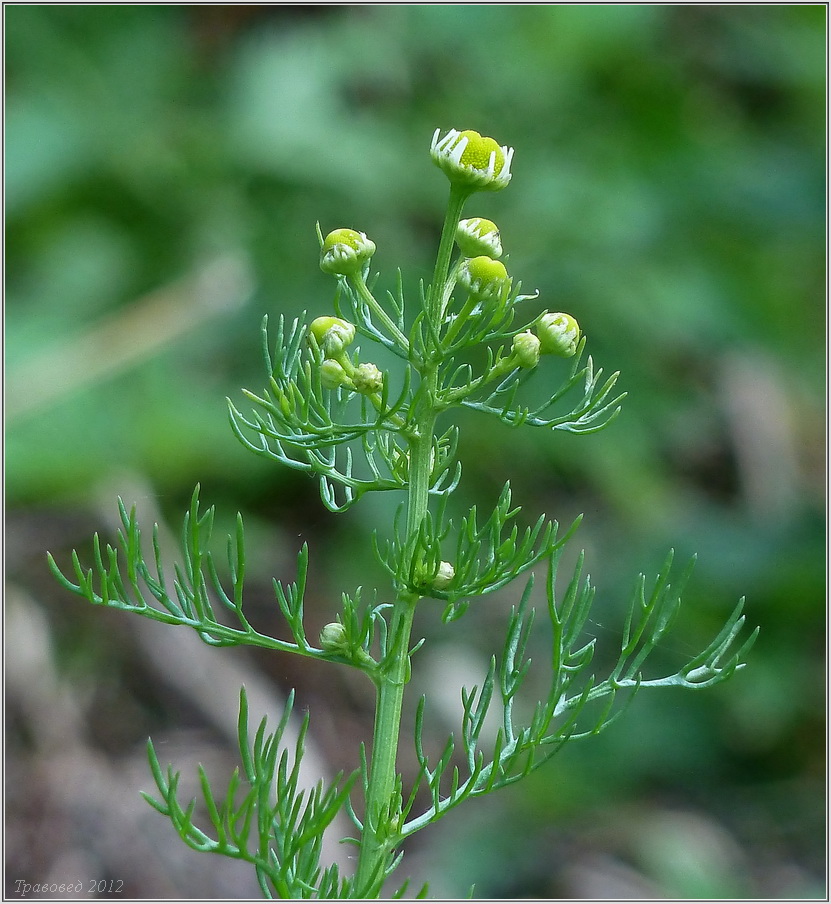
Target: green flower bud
(485, 279)
(333, 375)
(526, 348)
(444, 576)
(428, 579)
(345, 251)
(469, 159)
(367, 379)
(332, 334)
(477, 236)
(559, 334)
(333, 638)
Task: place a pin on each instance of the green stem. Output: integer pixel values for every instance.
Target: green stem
(361, 288)
(450, 284)
(380, 819)
(500, 369)
(459, 322)
(382, 814)
(380, 808)
(458, 197)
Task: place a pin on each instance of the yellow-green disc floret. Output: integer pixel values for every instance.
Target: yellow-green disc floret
(477, 153)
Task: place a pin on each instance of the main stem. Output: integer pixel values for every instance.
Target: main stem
(381, 815)
(381, 810)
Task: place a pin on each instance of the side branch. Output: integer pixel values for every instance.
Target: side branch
(122, 578)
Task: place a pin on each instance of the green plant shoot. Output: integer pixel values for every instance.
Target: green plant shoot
(328, 411)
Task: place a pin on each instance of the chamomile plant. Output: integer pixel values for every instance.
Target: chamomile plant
(331, 412)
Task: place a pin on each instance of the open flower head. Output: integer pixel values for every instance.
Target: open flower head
(485, 278)
(345, 251)
(559, 334)
(476, 236)
(472, 160)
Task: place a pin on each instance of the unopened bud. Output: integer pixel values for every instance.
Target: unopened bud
(333, 638)
(559, 334)
(333, 375)
(444, 576)
(367, 379)
(526, 347)
(485, 278)
(332, 334)
(477, 236)
(345, 251)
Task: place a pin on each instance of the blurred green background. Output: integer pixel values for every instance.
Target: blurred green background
(165, 167)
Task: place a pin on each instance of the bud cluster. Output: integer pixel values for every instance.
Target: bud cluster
(557, 334)
(333, 335)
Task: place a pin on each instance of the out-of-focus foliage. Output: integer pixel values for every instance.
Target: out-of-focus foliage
(165, 167)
